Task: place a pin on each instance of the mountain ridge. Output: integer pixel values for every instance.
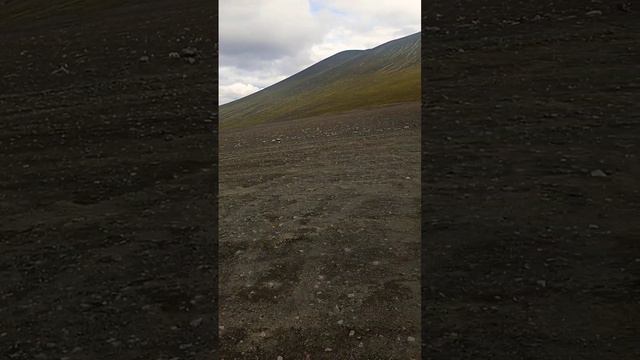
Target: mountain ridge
(387, 73)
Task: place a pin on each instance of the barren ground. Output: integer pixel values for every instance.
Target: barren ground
(320, 237)
(527, 255)
(107, 210)
(107, 206)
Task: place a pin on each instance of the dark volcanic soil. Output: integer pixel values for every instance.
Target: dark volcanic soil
(107, 205)
(527, 254)
(107, 209)
(320, 237)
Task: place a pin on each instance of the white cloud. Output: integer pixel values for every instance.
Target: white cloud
(265, 41)
(236, 91)
(342, 38)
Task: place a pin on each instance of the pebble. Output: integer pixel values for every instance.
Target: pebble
(598, 173)
(594, 13)
(189, 52)
(196, 322)
(411, 339)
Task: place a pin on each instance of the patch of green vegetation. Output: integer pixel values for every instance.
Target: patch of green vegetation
(356, 91)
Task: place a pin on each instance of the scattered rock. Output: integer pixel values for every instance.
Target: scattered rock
(196, 322)
(594, 13)
(626, 7)
(189, 52)
(144, 59)
(62, 69)
(598, 173)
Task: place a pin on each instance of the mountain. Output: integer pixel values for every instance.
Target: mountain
(388, 73)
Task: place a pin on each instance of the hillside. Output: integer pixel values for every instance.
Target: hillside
(389, 73)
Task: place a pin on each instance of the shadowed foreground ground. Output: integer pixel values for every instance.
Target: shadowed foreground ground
(528, 254)
(107, 210)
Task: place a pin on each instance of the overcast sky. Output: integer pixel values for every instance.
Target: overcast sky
(265, 41)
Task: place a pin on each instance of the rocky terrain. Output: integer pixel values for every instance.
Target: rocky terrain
(530, 134)
(320, 237)
(107, 194)
(530, 194)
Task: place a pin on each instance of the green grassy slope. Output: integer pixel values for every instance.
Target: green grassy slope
(389, 73)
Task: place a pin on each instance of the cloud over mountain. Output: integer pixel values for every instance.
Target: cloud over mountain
(264, 41)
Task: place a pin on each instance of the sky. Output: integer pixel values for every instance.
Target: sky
(265, 41)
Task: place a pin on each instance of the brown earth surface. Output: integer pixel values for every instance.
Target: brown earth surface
(320, 237)
(527, 254)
